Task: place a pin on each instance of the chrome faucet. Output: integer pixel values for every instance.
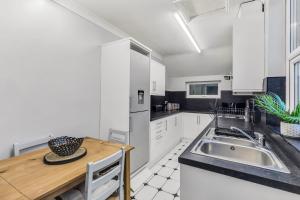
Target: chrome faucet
(247, 135)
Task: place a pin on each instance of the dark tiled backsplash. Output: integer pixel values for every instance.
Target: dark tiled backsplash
(157, 100)
(197, 104)
(275, 85)
(272, 84)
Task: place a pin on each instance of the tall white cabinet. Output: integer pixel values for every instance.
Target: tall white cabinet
(157, 78)
(115, 85)
(249, 48)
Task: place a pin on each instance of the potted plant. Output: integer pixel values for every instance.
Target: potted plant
(290, 121)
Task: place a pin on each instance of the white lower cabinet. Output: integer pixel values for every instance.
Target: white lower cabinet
(157, 135)
(219, 186)
(190, 125)
(205, 120)
(168, 131)
(194, 124)
(174, 130)
(165, 134)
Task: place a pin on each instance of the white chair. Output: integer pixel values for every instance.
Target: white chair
(31, 145)
(118, 136)
(72, 194)
(101, 187)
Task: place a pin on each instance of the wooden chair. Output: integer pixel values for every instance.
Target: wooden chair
(103, 186)
(18, 148)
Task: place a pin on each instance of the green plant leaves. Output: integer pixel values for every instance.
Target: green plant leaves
(296, 112)
(274, 105)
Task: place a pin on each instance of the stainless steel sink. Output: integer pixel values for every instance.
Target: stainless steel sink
(238, 150)
(232, 140)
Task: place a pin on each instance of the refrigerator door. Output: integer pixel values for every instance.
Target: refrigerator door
(139, 139)
(139, 82)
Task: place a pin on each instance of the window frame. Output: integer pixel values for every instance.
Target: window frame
(189, 96)
(292, 53)
(292, 88)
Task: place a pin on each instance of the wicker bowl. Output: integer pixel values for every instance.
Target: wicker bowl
(65, 146)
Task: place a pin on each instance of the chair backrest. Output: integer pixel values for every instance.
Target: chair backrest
(118, 136)
(31, 145)
(94, 181)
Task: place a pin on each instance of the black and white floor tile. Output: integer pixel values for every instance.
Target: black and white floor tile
(162, 181)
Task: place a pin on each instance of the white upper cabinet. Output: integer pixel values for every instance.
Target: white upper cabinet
(157, 78)
(249, 49)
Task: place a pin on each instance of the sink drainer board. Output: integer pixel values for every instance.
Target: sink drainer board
(238, 150)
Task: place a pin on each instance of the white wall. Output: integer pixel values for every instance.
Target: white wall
(49, 74)
(275, 37)
(179, 83)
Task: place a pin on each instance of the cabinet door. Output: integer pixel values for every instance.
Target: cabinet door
(179, 126)
(248, 49)
(156, 147)
(153, 77)
(173, 130)
(158, 133)
(161, 81)
(190, 125)
(205, 119)
(157, 78)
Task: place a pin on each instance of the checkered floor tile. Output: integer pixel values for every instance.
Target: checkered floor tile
(164, 181)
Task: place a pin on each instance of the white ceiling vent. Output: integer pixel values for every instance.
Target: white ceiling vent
(193, 8)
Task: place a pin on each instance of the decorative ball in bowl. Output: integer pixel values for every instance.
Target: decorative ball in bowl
(65, 146)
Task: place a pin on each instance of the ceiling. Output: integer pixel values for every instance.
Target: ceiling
(216, 61)
(152, 23)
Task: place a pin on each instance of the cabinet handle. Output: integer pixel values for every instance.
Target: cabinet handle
(130, 124)
(175, 121)
(130, 102)
(199, 120)
(154, 85)
(166, 125)
(158, 137)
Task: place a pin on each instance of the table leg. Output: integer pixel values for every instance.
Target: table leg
(127, 176)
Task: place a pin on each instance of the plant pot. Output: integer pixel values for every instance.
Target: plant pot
(290, 130)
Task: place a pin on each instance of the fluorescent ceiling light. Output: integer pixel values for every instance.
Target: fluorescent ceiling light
(187, 31)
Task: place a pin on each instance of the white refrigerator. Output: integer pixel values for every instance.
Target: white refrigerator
(139, 109)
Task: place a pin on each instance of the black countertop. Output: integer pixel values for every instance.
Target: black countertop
(287, 154)
(163, 114)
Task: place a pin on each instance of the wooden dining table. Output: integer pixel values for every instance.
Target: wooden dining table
(28, 177)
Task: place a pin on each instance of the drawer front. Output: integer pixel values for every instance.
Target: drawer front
(157, 134)
(158, 125)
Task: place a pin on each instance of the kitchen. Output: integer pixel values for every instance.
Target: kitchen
(158, 100)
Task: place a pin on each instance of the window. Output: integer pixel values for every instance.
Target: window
(294, 89)
(293, 52)
(203, 90)
(294, 24)
(297, 81)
